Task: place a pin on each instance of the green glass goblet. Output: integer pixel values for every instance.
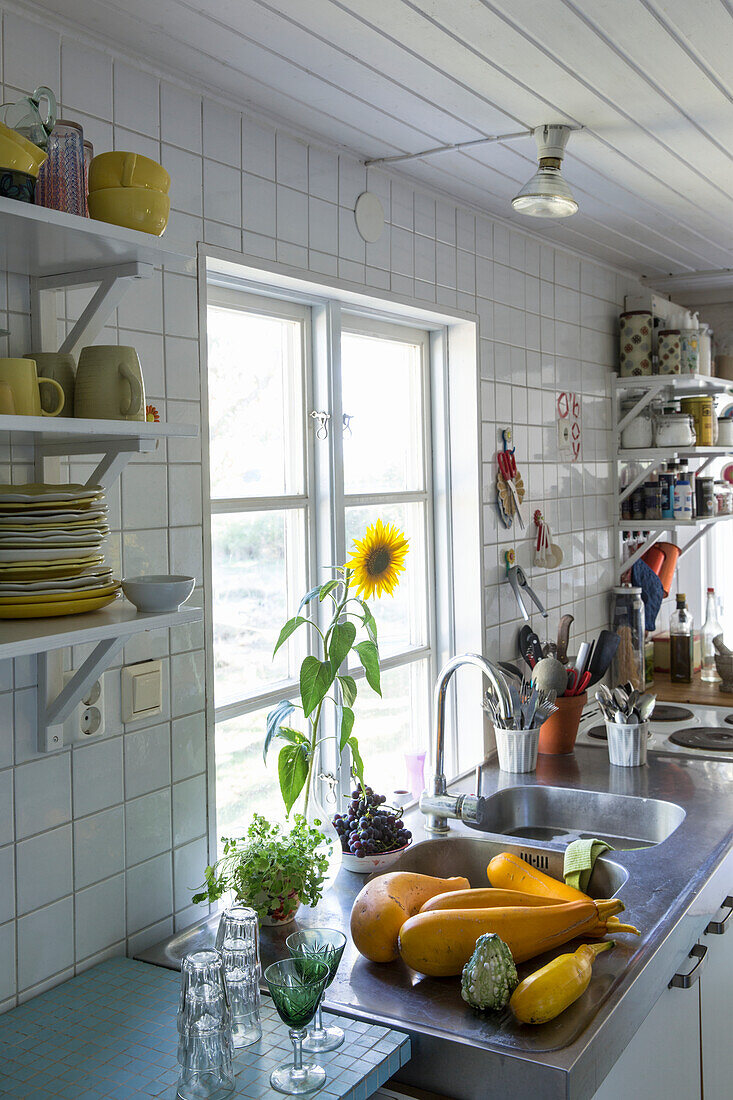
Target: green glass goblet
(324, 945)
(296, 987)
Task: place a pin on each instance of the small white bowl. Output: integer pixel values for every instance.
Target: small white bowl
(367, 865)
(157, 594)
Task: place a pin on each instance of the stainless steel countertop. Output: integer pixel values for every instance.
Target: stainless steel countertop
(673, 890)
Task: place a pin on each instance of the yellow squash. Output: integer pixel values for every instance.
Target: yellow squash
(484, 898)
(440, 944)
(385, 903)
(549, 991)
(511, 872)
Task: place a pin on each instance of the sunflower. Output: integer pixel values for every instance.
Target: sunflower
(378, 559)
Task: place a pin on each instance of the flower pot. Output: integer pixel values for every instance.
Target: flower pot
(278, 912)
(558, 733)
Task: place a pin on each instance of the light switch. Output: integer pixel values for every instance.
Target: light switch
(142, 690)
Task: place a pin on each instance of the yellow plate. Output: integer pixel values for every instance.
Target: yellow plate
(60, 597)
(61, 571)
(48, 505)
(54, 607)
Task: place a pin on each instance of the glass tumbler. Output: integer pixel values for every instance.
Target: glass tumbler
(237, 939)
(324, 945)
(61, 183)
(296, 986)
(204, 1030)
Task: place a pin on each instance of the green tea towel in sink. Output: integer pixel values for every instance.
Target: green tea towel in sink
(580, 856)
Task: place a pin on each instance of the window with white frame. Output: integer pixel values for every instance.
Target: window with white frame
(289, 493)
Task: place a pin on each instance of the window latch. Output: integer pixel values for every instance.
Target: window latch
(322, 419)
(348, 417)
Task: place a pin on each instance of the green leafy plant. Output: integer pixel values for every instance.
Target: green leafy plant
(376, 562)
(270, 870)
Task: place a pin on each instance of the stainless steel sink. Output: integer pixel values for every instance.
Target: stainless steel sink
(470, 856)
(562, 814)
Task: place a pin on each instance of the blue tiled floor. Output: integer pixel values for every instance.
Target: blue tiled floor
(111, 1033)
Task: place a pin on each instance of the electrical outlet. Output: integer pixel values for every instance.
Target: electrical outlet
(87, 718)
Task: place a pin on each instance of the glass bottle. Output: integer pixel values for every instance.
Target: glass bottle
(710, 630)
(683, 495)
(681, 643)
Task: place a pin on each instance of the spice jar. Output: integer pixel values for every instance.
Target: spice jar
(702, 410)
(668, 351)
(635, 342)
(627, 619)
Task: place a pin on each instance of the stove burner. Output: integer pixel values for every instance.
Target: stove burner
(664, 712)
(599, 732)
(703, 737)
(729, 719)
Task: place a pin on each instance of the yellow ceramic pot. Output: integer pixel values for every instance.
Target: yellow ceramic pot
(132, 207)
(121, 169)
(19, 154)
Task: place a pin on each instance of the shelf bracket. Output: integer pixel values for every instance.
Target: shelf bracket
(112, 284)
(628, 489)
(652, 537)
(116, 455)
(56, 702)
(696, 538)
(635, 410)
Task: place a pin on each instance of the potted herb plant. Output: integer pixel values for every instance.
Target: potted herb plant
(270, 870)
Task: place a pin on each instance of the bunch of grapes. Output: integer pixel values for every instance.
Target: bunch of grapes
(369, 828)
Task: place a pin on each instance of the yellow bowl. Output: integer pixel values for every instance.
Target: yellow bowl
(132, 207)
(19, 154)
(122, 169)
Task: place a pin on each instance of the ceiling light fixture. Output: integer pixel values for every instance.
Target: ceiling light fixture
(547, 194)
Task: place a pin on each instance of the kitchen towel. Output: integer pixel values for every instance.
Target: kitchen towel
(580, 857)
(652, 591)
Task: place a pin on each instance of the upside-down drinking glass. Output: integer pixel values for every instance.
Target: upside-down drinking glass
(204, 1030)
(238, 940)
(296, 986)
(326, 945)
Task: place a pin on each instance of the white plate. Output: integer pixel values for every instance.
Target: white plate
(58, 553)
(13, 494)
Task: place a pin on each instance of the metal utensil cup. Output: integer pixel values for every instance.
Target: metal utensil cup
(627, 744)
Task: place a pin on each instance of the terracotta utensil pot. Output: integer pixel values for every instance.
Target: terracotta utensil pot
(558, 733)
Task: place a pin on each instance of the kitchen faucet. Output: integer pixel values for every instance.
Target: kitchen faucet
(435, 803)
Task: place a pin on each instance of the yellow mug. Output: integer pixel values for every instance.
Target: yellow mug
(20, 375)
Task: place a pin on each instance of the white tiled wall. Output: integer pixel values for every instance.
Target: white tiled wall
(101, 845)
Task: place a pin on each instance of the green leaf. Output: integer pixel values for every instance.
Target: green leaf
(290, 627)
(292, 771)
(356, 756)
(277, 715)
(369, 657)
(308, 597)
(370, 623)
(295, 737)
(348, 688)
(328, 587)
(347, 725)
(316, 678)
(342, 639)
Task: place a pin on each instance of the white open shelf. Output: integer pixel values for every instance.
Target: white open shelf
(24, 637)
(670, 524)
(684, 385)
(654, 454)
(38, 242)
(76, 430)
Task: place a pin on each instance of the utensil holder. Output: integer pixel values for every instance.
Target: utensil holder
(517, 749)
(558, 732)
(627, 744)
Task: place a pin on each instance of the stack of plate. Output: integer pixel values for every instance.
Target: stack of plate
(51, 559)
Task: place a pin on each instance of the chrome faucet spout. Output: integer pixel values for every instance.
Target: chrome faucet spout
(437, 822)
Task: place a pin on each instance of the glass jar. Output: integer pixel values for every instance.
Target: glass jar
(638, 432)
(674, 429)
(721, 498)
(627, 620)
(61, 183)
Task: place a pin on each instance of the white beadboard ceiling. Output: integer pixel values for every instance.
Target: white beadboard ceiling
(650, 80)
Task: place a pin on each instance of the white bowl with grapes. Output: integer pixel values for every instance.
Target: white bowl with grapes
(372, 834)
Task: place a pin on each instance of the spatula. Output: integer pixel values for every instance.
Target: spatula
(603, 653)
